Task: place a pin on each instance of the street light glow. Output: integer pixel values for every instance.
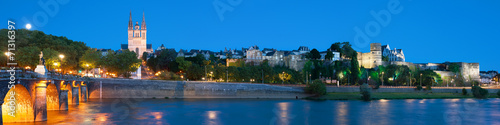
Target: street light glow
(61, 56)
(7, 53)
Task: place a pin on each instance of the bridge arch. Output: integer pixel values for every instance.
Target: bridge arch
(52, 97)
(18, 105)
(69, 87)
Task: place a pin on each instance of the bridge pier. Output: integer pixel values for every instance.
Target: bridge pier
(41, 101)
(84, 93)
(1, 119)
(63, 100)
(75, 96)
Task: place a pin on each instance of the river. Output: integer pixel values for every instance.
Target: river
(278, 111)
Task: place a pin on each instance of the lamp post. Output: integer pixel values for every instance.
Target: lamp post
(61, 57)
(206, 72)
(53, 70)
(310, 78)
(453, 80)
(283, 80)
(366, 76)
(420, 79)
(341, 76)
(87, 69)
(306, 78)
(333, 74)
(211, 75)
(410, 77)
(382, 78)
(7, 54)
(262, 76)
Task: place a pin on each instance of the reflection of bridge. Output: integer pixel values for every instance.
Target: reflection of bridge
(30, 99)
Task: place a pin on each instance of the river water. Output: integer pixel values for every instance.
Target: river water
(273, 111)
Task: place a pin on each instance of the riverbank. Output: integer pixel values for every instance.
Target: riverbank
(132, 88)
(390, 95)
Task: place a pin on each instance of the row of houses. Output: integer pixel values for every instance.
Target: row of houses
(294, 59)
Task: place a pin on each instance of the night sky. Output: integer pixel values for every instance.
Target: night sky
(427, 31)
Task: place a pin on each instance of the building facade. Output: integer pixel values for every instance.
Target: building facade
(253, 55)
(393, 55)
(371, 59)
(137, 37)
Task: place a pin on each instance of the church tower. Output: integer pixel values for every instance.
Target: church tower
(143, 27)
(137, 36)
(130, 27)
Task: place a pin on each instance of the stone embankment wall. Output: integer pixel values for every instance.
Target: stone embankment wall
(129, 88)
(403, 90)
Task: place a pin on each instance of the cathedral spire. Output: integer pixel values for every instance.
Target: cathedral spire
(143, 22)
(130, 24)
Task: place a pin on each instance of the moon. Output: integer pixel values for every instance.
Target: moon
(28, 26)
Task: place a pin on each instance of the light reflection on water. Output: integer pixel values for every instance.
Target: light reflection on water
(268, 111)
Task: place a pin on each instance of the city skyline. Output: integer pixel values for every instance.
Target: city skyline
(425, 35)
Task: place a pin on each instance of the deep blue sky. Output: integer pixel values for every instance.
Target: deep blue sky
(427, 31)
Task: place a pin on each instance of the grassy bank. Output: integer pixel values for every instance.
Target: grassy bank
(386, 95)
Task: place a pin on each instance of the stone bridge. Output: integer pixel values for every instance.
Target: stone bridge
(29, 99)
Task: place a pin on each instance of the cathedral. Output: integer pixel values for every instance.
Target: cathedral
(137, 37)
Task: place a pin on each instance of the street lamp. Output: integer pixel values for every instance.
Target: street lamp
(366, 76)
(420, 79)
(453, 80)
(310, 78)
(382, 78)
(341, 76)
(410, 77)
(53, 69)
(211, 75)
(7, 54)
(283, 80)
(87, 70)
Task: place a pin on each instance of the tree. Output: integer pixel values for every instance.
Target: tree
(194, 72)
(314, 54)
(354, 76)
(121, 63)
(285, 77)
(91, 59)
(198, 59)
(455, 68)
(329, 55)
(347, 51)
(28, 56)
(233, 73)
(365, 92)
(220, 71)
(72, 50)
(183, 64)
(336, 47)
(166, 61)
(51, 57)
(144, 56)
(152, 63)
(127, 62)
(317, 88)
